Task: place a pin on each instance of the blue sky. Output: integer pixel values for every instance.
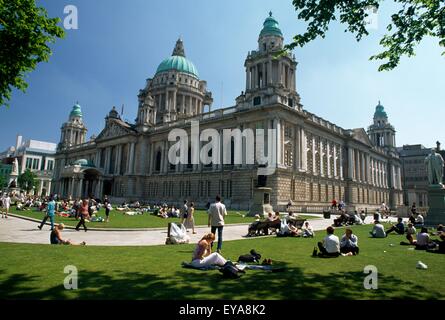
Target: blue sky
(120, 43)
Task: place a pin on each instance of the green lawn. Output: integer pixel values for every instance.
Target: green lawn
(119, 220)
(36, 271)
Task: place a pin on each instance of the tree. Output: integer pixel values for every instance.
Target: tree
(415, 20)
(27, 180)
(25, 33)
(3, 182)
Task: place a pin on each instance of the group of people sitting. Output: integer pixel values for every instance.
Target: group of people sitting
(332, 246)
(346, 219)
(290, 225)
(423, 240)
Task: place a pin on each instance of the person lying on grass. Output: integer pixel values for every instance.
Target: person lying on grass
(440, 245)
(56, 237)
(203, 256)
(349, 243)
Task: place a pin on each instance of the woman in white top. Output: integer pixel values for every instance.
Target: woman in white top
(190, 220)
(307, 229)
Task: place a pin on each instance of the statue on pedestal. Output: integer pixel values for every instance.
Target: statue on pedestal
(434, 166)
(15, 167)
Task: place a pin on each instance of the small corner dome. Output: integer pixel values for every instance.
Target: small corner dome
(380, 111)
(76, 111)
(271, 27)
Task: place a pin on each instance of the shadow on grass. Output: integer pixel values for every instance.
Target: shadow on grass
(291, 284)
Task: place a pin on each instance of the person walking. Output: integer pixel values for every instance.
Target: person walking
(50, 213)
(108, 208)
(217, 212)
(190, 220)
(184, 211)
(83, 215)
(6, 204)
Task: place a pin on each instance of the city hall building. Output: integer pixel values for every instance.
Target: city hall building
(316, 160)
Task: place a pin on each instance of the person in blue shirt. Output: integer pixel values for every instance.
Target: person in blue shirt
(399, 228)
(50, 213)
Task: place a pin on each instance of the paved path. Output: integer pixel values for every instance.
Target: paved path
(24, 231)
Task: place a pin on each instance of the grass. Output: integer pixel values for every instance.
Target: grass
(119, 220)
(155, 272)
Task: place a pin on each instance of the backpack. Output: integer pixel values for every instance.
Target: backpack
(230, 271)
(253, 256)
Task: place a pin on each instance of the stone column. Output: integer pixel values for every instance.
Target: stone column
(277, 127)
(321, 152)
(314, 160)
(351, 164)
(269, 72)
(79, 192)
(363, 167)
(335, 160)
(247, 78)
(328, 158)
(304, 165)
(131, 159)
(341, 162)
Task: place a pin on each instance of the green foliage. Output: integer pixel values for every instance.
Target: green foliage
(25, 33)
(27, 180)
(415, 20)
(3, 182)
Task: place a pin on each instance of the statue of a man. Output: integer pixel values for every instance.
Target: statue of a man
(434, 167)
(15, 166)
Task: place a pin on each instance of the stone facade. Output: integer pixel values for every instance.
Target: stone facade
(317, 161)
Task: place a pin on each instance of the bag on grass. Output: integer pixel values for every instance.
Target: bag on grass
(178, 234)
(230, 271)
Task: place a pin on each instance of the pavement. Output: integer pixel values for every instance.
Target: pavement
(17, 230)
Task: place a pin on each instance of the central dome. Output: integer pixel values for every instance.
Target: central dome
(178, 63)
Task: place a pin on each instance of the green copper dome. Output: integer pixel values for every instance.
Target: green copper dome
(380, 112)
(76, 112)
(178, 63)
(270, 27)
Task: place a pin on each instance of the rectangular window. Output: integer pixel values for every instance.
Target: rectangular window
(35, 164)
(50, 165)
(28, 163)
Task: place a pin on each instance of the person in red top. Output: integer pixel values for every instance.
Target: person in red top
(334, 204)
(83, 215)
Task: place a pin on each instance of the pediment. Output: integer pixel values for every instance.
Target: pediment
(361, 135)
(114, 129)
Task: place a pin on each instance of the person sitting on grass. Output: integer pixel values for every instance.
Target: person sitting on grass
(56, 236)
(294, 231)
(439, 230)
(419, 221)
(378, 231)
(308, 231)
(330, 246)
(424, 241)
(410, 232)
(203, 256)
(440, 245)
(343, 219)
(399, 228)
(349, 243)
(252, 230)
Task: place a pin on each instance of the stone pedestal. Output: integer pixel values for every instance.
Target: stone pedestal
(436, 211)
(261, 202)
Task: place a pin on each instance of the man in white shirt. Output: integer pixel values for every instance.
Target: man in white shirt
(308, 231)
(217, 212)
(378, 231)
(419, 221)
(330, 247)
